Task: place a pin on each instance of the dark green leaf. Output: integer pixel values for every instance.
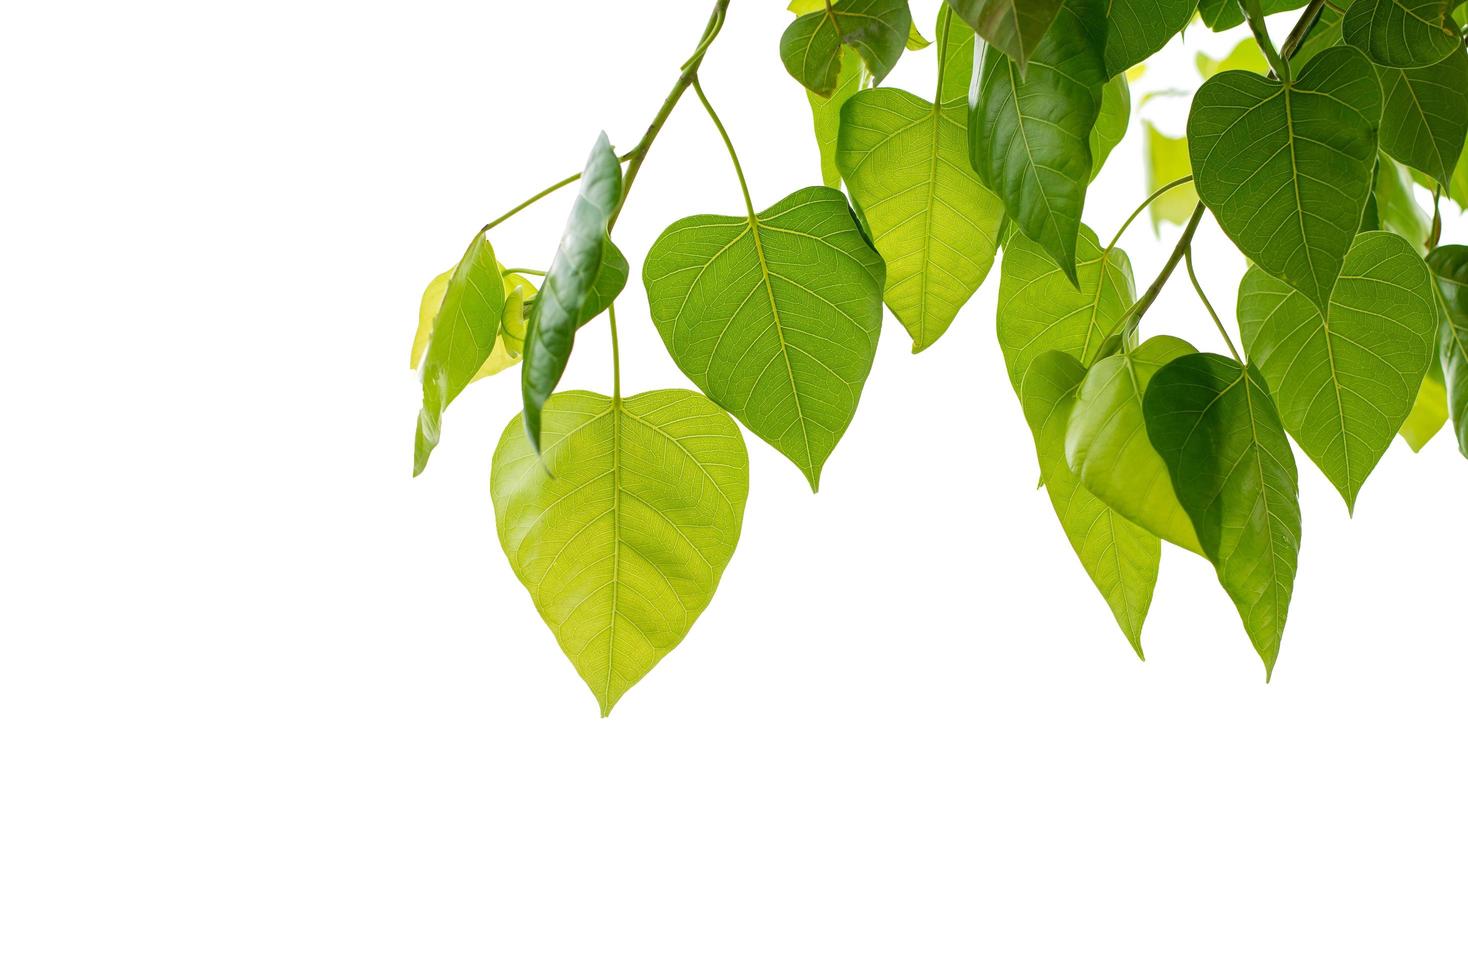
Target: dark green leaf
(1220, 15)
(1424, 120)
(1401, 33)
(1449, 263)
(1138, 29)
(1015, 27)
(877, 29)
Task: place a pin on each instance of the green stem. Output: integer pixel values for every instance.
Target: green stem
(1187, 179)
(525, 272)
(1134, 315)
(1304, 26)
(616, 356)
(944, 19)
(728, 145)
(1254, 14)
(537, 196)
(1198, 288)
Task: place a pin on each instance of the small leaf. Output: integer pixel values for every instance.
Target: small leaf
(1138, 29)
(1287, 169)
(577, 286)
(1029, 137)
(1449, 263)
(1424, 120)
(826, 113)
(1167, 160)
(1402, 33)
(509, 346)
(623, 547)
(1430, 411)
(1345, 382)
(877, 29)
(1215, 426)
(1015, 27)
(428, 308)
(774, 316)
(1111, 122)
(915, 39)
(1107, 445)
(1120, 557)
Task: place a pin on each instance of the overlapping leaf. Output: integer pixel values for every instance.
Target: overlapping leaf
(1015, 27)
(826, 113)
(1111, 122)
(1287, 169)
(1449, 264)
(1430, 411)
(1120, 557)
(877, 29)
(1402, 33)
(774, 316)
(1138, 29)
(1346, 381)
(1216, 427)
(1029, 136)
(623, 547)
(1424, 120)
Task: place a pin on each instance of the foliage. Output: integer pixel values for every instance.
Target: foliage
(619, 515)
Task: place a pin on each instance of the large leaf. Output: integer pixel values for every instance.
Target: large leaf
(1216, 427)
(1449, 263)
(1424, 120)
(877, 29)
(461, 339)
(1167, 160)
(623, 546)
(775, 316)
(1287, 169)
(1402, 33)
(826, 113)
(1107, 445)
(1138, 29)
(1346, 381)
(576, 287)
(1029, 137)
(1015, 27)
(1040, 310)
(1120, 557)
(936, 226)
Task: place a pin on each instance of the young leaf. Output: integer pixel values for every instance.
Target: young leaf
(1430, 410)
(623, 547)
(1111, 122)
(1287, 168)
(1345, 382)
(1138, 29)
(826, 113)
(877, 29)
(462, 337)
(1107, 445)
(936, 226)
(1120, 557)
(1040, 310)
(775, 316)
(1424, 120)
(1401, 33)
(1015, 27)
(1167, 160)
(1449, 263)
(584, 277)
(1029, 137)
(1215, 426)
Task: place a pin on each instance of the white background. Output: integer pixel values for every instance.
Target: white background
(270, 708)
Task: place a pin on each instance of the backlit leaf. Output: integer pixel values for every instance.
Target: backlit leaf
(1138, 29)
(826, 113)
(1015, 27)
(1220, 15)
(1396, 208)
(1167, 160)
(1424, 120)
(1401, 33)
(1430, 411)
(1449, 264)
(1111, 122)
(877, 29)
(1245, 56)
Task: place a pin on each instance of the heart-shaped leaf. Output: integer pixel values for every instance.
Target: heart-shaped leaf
(877, 29)
(1424, 120)
(623, 546)
(1030, 135)
(1120, 557)
(1287, 169)
(1345, 382)
(775, 316)
(1216, 427)
(1402, 33)
(1449, 264)
(1138, 29)
(1015, 27)
(1107, 446)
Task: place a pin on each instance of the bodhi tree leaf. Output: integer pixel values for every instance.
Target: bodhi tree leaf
(462, 337)
(1449, 264)
(576, 287)
(1287, 169)
(934, 224)
(1167, 160)
(623, 547)
(1029, 137)
(877, 29)
(1120, 557)
(1396, 208)
(1015, 27)
(826, 113)
(955, 58)
(1430, 411)
(1215, 426)
(1424, 120)
(1111, 122)
(1040, 310)
(1345, 382)
(508, 343)
(1107, 445)
(1138, 29)
(774, 315)
(1401, 33)
(1220, 15)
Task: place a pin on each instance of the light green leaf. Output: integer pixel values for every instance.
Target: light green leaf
(585, 275)
(1167, 160)
(462, 337)
(1029, 138)
(1396, 208)
(1401, 33)
(1015, 27)
(826, 113)
(1344, 383)
(1449, 264)
(915, 39)
(1430, 411)
(955, 58)
(1216, 427)
(1424, 120)
(1245, 56)
(877, 29)
(1111, 122)
(1220, 15)
(936, 226)
(1138, 29)
(1107, 445)
(1120, 557)
(1287, 169)
(1040, 310)
(775, 316)
(622, 532)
